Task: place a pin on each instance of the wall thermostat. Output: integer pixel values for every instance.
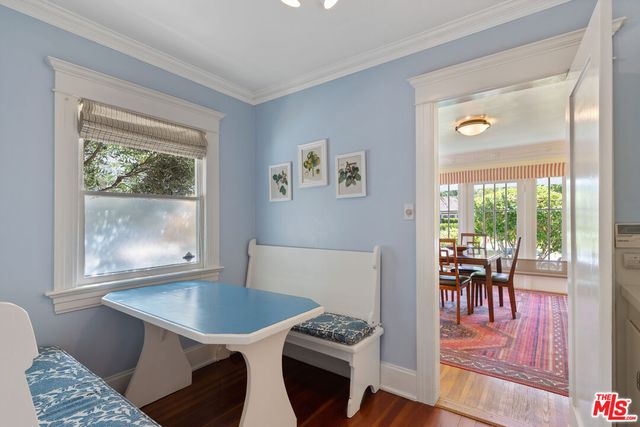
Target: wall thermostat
(627, 235)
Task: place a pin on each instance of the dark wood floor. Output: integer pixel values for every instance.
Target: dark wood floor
(319, 398)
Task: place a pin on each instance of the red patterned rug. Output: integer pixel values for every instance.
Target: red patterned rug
(530, 350)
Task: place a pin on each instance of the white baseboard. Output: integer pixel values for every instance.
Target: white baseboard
(399, 381)
(199, 356)
(394, 379)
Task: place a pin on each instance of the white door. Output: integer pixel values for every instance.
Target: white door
(591, 216)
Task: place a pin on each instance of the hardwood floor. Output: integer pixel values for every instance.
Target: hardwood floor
(500, 402)
(319, 398)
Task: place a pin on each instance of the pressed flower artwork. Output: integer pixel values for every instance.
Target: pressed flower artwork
(280, 182)
(351, 176)
(312, 161)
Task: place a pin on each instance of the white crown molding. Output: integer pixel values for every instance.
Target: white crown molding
(470, 24)
(504, 12)
(57, 16)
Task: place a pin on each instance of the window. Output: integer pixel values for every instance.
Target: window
(495, 213)
(136, 188)
(449, 211)
(140, 209)
(549, 200)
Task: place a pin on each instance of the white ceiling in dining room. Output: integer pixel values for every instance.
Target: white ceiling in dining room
(533, 116)
(268, 48)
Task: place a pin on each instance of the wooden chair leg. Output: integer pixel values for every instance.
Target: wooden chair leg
(469, 305)
(512, 300)
(458, 306)
(500, 296)
(442, 297)
(482, 286)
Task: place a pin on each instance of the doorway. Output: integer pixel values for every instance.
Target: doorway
(527, 63)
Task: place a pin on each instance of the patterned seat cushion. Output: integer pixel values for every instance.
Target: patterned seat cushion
(66, 394)
(336, 327)
(496, 277)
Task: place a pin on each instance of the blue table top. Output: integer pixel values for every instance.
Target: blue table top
(210, 308)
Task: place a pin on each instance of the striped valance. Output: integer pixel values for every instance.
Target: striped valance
(112, 125)
(505, 173)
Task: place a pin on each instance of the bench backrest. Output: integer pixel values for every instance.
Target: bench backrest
(17, 350)
(343, 282)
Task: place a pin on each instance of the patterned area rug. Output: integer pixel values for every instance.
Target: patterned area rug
(530, 350)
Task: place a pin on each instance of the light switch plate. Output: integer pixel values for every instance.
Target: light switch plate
(409, 212)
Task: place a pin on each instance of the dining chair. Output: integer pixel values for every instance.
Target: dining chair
(450, 277)
(501, 280)
(475, 241)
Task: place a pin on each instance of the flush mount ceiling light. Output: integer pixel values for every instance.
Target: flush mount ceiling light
(472, 126)
(328, 4)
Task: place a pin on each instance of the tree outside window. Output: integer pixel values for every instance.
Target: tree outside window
(495, 213)
(449, 211)
(549, 212)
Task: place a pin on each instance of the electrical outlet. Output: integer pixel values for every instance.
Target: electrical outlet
(409, 212)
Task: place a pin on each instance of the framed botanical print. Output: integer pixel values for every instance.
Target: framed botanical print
(280, 182)
(312, 164)
(351, 175)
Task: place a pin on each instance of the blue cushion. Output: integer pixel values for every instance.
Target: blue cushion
(336, 327)
(65, 393)
(496, 277)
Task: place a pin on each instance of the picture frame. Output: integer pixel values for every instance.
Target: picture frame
(351, 175)
(312, 164)
(279, 179)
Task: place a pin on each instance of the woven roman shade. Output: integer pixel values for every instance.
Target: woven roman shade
(112, 125)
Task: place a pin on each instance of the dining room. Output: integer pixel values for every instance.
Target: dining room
(503, 254)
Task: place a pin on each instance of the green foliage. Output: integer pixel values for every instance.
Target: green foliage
(448, 227)
(281, 181)
(505, 219)
(350, 174)
(549, 223)
(312, 162)
(119, 169)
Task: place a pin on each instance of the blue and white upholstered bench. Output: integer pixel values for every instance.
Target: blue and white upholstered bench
(49, 387)
(347, 285)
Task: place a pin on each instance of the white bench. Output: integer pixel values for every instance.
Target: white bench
(344, 282)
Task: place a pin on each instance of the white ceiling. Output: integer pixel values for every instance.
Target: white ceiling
(519, 118)
(261, 49)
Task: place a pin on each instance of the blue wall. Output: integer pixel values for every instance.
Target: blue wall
(370, 110)
(373, 110)
(104, 340)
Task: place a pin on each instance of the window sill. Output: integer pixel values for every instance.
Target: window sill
(89, 296)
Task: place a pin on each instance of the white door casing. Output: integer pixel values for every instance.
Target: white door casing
(522, 64)
(589, 126)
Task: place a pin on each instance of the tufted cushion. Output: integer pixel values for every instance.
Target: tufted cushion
(496, 277)
(65, 393)
(451, 280)
(336, 327)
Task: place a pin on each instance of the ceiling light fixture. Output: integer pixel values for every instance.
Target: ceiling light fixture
(328, 4)
(292, 3)
(473, 126)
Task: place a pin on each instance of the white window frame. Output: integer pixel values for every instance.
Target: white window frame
(71, 290)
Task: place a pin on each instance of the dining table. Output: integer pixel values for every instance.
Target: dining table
(484, 258)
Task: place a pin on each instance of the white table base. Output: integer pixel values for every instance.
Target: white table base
(266, 402)
(162, 368)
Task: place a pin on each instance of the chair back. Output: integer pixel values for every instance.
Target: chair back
(512, 272)
(477, 240)
(449, 256)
